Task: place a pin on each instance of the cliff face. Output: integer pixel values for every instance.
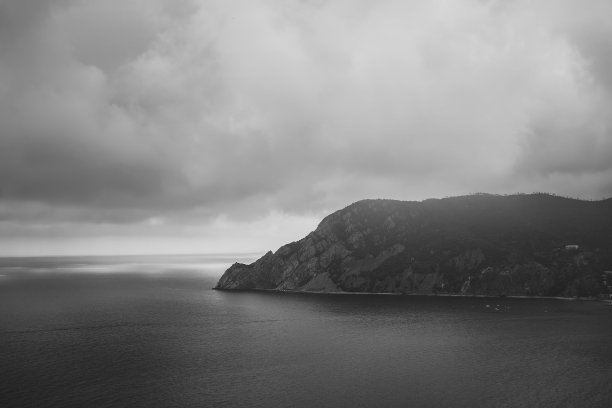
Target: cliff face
(480, 244)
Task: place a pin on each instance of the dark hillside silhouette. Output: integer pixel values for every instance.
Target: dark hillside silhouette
(524, 244)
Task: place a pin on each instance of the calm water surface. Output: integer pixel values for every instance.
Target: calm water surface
(144, 332)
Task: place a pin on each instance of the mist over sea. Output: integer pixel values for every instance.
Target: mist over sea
(149, 331)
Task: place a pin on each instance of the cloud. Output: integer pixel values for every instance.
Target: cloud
(121, 111)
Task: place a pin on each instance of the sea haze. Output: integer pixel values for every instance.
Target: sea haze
(149, 331)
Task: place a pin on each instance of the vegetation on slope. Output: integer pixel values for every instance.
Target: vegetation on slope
(477, 244)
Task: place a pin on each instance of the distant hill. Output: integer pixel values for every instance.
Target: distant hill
(525, 244)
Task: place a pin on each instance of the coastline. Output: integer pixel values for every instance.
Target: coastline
(323, 293)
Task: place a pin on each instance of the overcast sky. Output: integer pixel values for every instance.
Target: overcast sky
(173, 126)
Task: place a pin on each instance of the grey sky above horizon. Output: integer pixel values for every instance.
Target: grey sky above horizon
(194, 126)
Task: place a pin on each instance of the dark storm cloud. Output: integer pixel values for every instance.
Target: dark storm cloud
(131, 110)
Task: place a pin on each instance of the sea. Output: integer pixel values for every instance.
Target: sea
(151, 332)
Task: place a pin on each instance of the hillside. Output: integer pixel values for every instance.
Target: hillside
(479, 244)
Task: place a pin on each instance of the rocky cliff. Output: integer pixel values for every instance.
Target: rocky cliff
(534, 244)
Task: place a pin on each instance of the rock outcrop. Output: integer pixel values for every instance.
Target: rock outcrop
(479, 244)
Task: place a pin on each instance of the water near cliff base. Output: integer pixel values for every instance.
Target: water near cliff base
(135, 332)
